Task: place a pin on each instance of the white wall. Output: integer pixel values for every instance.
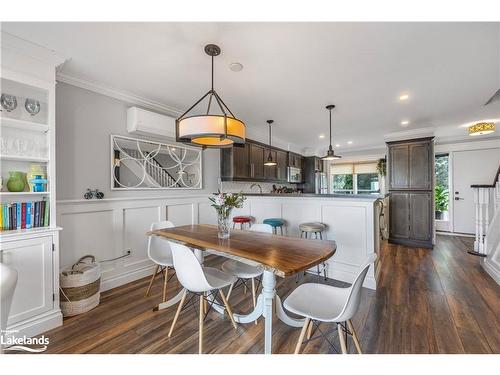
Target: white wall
(84, 122)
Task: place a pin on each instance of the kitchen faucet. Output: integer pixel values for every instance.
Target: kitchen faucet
(255, 184)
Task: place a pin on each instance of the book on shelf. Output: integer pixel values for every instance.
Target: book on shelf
(24, 215)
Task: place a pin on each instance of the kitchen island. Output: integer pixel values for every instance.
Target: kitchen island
(352, 221)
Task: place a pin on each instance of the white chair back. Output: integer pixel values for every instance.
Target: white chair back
(352, 303)
(157, 246)
(188, 269)
(264, 228)
(8, 282)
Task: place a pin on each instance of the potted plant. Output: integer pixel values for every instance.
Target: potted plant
(224, 204)
(382, 167)
(441, 199)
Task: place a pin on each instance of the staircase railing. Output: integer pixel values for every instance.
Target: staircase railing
(155, 170)
(487, 236)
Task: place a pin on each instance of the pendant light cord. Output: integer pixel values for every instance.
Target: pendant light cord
(212, 73)
(330, 127)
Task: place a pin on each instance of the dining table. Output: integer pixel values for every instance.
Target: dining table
(277, 256)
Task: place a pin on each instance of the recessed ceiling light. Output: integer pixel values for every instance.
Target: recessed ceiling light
(405, 123)
(321, 136)
(337, 145)
(404, 97)
(236, 67)
(349, 142)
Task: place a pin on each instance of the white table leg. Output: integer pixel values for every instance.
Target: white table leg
(170, 302)
(268, 293)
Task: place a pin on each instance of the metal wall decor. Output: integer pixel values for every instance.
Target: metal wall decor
(213, 130)
(138, 164)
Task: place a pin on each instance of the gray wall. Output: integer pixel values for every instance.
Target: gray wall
(84, 122)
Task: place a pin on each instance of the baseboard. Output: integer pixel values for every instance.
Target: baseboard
(126, 277)
(37, 325)
(492, 270)
(412, 243)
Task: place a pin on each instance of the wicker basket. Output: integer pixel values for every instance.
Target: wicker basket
(79, 287)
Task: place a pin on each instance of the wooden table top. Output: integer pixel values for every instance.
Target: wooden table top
(283, 255)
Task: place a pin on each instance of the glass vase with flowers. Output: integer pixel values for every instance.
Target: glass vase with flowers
(224, 204)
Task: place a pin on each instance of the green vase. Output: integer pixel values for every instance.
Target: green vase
(16, 182)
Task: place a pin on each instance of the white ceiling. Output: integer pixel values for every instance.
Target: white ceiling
(292, 70)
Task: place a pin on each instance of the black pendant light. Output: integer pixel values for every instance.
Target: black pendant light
(330, 154)
(211, 130)
(270, 162)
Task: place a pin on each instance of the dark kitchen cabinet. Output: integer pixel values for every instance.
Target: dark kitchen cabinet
(411, 165)
(411, 218)
(295, 160)
(411, 185)
(400, 213)
(247, 163)
(257, 161)
(281, 159)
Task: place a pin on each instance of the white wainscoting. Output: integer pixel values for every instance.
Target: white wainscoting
(108, 228)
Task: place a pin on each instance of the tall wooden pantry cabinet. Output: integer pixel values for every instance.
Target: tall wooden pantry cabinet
(29, 243)
(411, 189)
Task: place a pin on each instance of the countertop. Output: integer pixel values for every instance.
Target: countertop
(311, 195)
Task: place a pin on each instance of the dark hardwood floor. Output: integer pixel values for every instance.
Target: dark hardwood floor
(427, 301)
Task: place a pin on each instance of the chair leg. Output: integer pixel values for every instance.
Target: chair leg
(320, 235)
(324, 270)
(165, 285)
(253, 295)
(354, 336)
(342, 338)
(301, 336)
(152, 279)
(309, 330)
(281, 229)
(177, 313)
(230, 290)
(202, 316)
(234, 225)
(205, 304)
(229, 311)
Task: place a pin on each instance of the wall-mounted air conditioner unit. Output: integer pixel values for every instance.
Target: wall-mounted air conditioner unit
(146, 123)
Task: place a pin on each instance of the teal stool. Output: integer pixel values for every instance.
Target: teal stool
(275, 223)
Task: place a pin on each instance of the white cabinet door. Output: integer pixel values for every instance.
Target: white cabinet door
(32, 258)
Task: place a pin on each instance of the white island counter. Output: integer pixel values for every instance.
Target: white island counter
(351, 221)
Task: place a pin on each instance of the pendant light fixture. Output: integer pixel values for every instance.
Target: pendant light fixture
(270, 162)
(210, 130)
(330, 154)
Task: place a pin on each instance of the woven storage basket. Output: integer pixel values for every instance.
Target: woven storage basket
(79, 287)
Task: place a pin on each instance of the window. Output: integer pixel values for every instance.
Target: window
(359, 178)
(441, 192)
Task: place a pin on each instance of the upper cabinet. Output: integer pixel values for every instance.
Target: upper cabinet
(411, 165)
(247, 163)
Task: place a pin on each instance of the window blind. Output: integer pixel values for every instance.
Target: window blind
(341, 169)
(365, 168)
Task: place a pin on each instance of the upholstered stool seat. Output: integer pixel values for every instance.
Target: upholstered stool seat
(312, 227)
(275, 223)
(242, 220)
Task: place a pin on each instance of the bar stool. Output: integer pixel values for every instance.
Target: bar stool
(325, 303)
(242, 220)
(316, 227)
(275, 223)
(307, 229)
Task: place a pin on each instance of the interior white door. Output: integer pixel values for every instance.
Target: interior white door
(470, 168)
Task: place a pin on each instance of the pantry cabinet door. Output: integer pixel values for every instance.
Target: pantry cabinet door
(32, 258)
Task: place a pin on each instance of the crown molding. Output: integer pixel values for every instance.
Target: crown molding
(118, 94)
(409, 134)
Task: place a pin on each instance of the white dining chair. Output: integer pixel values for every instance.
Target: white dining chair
(329, 304)
(159, 252)
(244, 271)
(199, 280)
(8, 282)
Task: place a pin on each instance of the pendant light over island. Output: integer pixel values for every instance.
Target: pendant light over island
(270, 162)
(211, 130)
(330, 154)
